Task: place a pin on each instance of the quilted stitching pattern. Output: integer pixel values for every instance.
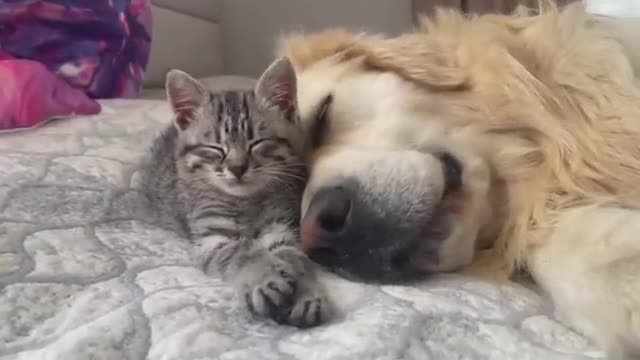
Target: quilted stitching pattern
(85, 273)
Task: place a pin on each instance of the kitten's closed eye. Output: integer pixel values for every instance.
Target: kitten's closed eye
(210, 153)
(270, 148)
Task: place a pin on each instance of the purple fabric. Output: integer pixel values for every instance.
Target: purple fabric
(31, 94)
(79, 50)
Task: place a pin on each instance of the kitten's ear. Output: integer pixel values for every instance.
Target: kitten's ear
(185, 95)
(277, 88)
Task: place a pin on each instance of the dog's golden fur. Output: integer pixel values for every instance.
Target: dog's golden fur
(552, 94)
(554, 106)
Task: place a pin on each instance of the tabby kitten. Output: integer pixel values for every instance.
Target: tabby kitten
(230, 170)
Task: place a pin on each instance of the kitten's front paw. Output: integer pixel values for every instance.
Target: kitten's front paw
(311, 307)
(273, 296)
(287, 294)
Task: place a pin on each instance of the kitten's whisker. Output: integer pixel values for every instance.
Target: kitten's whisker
(288, 162)
(279, 179)
(283, 173)
(288, 169)
(274, 172)
(281, 176)
(271, 180)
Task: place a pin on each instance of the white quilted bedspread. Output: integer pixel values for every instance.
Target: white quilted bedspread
(84, 274)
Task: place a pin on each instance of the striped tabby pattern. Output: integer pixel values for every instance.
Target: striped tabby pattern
(229, 171)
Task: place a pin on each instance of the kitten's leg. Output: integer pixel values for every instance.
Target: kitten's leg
(265, 282)
(275, 279)
(310, 306)
(215, 253)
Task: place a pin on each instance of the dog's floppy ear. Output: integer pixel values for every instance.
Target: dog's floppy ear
(306, 49)
(419, 58)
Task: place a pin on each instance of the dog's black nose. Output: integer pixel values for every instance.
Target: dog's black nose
(331, 209)
(324, 223)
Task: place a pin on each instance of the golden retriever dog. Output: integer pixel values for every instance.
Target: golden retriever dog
(488, 144)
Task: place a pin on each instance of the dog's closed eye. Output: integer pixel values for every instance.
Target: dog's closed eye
(320, 126)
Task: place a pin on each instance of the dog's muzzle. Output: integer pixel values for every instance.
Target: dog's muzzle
(377, 223)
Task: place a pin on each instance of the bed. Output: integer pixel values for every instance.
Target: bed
(87, 273)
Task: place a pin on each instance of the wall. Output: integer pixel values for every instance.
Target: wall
(250, 27)
(198, 32)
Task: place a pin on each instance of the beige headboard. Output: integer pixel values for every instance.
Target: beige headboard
(250, 27)
(187, 35)
(237, 37)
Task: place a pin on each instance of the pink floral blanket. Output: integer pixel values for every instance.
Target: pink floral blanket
(58, 56)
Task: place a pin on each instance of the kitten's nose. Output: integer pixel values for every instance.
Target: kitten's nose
(238, 169)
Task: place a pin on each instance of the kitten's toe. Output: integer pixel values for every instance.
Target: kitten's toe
(273, 298)
(309, 310)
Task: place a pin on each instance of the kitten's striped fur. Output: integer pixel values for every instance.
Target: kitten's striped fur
(230, 171)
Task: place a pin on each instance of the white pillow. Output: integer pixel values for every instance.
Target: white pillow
(614, 8)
